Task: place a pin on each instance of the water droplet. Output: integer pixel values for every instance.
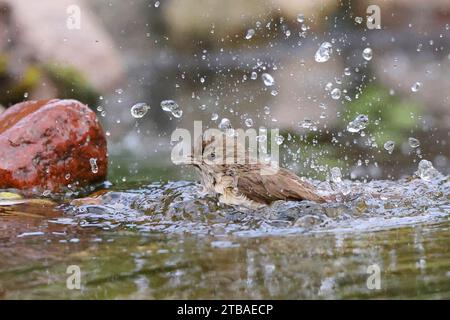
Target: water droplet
(266, 110)
(254, 75)
(300, 18)
(250, 34)
(347, 71)
(413, 142)
(279, 139)
(46, 193)
(335, 93)
(157, 4)
(261, 138)
(267, 79)
(172, 107)
(306, 123)
(139, 110)
(416, 86)
(94, 166)
(214, 116)
(324, 52)
(119, 91)
(426, 171)
(336, 175)
(367, 54)
(389, 146)
(358, 20)
(358, 124)
(248, 122)
(225, 124)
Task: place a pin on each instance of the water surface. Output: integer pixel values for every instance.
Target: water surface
(165, 240)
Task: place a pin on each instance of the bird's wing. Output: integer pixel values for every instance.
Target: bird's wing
(280, 185)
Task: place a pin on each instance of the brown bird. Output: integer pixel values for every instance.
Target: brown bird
(251, 184)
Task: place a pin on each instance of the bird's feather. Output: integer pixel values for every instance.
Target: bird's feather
(281, 185)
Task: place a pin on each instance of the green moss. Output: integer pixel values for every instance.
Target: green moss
(71, 84)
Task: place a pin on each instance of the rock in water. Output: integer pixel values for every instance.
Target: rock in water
(48, 145)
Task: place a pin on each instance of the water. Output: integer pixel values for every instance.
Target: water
(250, 34)
(139, 110)
(166, 240)
(172, 107)
(225, 124)
(279, 139)
(324, 52)
(335, 93)
(358, 20)
(358, 124)
(413, 142)
(367, 54)
(426, 171)
(94, 166)
(268, 79)
(248, 122)
(416, 86)
(389, 146)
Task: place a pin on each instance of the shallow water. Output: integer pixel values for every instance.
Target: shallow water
(165, 240)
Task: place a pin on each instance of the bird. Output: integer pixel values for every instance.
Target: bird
(241, 182)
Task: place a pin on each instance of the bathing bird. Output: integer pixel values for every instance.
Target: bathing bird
(244, 180)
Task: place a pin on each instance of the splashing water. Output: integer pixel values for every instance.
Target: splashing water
(179, 207)
(358, 124)
(389, 146)
(139, 110)
(279, 140)
(416, 86)
(173, 232)
(413, 142)
(335, 93)
(267, 79)
(324, 52)
(225, 124)
(172, 107)
(426, 171)
(248, 122)
(367, 54)
(94, 166)
(336, 175)
(250, 34)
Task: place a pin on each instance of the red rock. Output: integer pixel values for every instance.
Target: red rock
(43, 142)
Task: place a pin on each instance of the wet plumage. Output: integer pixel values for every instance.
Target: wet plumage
(250, 184)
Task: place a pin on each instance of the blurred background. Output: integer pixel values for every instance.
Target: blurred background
(209, 57)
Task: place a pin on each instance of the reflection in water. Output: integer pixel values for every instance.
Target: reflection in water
(166, 241)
